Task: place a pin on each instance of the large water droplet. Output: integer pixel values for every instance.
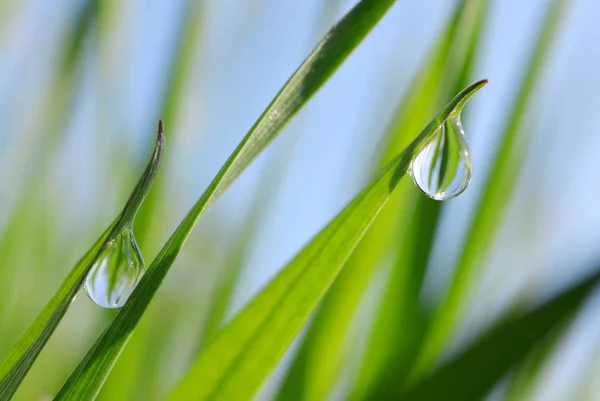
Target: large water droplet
(117, 271)
(442, 168)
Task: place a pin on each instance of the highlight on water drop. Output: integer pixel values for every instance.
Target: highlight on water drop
(116, 272)
(442, 167)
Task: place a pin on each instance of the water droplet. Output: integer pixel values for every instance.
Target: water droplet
(442, 168)
(117, 271)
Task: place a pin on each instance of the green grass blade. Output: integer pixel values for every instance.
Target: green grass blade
(226, 283)
(250, 346)
(524, 378)
(322, 354)
(87, 379)
(19, 360)
(472, 374)
(402, 319)
(495, 198)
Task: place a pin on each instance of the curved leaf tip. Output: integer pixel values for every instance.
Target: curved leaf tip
(402, 161)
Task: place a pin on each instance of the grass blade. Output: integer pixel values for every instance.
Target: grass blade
(472, 374)
(249, 347)
(87, 379)
(402, 319)
(322, 355)
(524, 376)
(495, 198)
(225, 286)
(19, 360)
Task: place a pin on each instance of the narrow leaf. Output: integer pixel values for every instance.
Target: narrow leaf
(19, 360)
(86, 381)
(186, 45)
(525, 376)
(472, 374)
(250, 346)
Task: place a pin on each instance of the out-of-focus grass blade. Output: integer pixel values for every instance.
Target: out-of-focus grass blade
(321, 356)
(54, 119)
(588, 388)
(523, 379)
(495, 198)
(226, 284)
(472, 374)
(274, 173)
(87, 379)
(151, 215)
(19, 360)
(250, 346)
(136, 375)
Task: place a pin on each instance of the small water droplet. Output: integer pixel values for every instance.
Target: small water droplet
(442, 168)
(117, 271)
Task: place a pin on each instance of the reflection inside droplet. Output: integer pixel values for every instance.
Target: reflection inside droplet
(116, 272)
(442, 168)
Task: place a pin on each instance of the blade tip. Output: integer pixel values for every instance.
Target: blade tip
(161, 131)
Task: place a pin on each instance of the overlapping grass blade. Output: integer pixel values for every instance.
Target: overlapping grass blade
(321, 357)
(250, 346)
(19, 360)
(87, 379)
(472, 374)
(496, 195)
(523, 378)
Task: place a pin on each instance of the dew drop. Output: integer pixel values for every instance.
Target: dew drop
(117, 271)
(442, 168)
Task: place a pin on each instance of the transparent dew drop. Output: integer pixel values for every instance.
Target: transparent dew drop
(442, 168)
(117, 271)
